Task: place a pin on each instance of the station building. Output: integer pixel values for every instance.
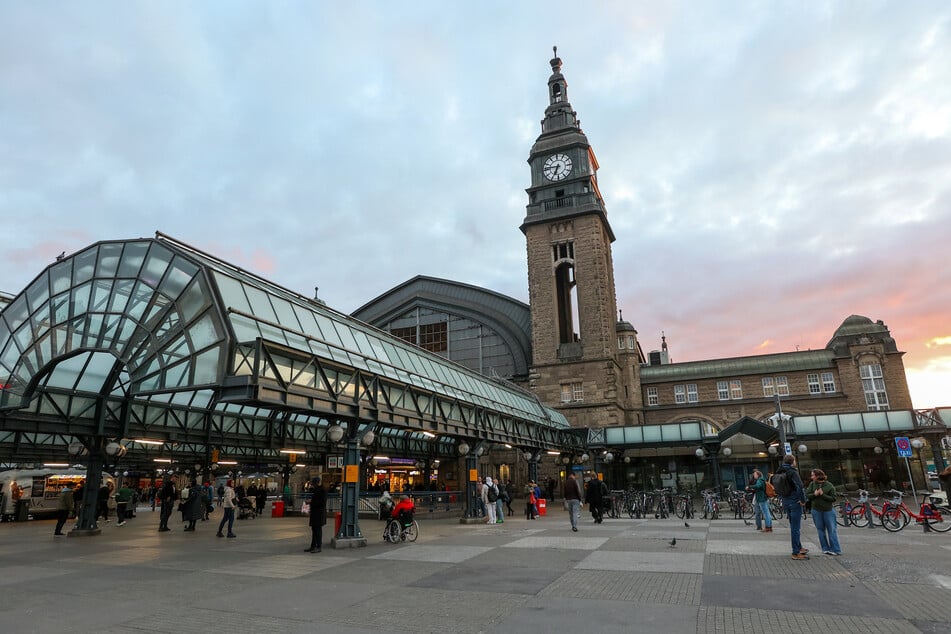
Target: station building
(572, 348)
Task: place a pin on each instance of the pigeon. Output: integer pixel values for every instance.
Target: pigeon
(673, 543)
(686, 525)
(747, 522)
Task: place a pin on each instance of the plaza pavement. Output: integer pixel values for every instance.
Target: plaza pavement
(521, 576)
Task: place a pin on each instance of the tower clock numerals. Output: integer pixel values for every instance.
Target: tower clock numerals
(557, 167)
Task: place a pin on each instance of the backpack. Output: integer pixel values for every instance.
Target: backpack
(770, 489)
(493, 493)
(781, 484)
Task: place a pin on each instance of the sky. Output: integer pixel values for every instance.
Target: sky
(769, 168)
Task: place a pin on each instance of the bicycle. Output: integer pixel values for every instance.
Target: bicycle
(858, 515)
(400, 531)
(936, 518)
(711, 505)
(684, 508)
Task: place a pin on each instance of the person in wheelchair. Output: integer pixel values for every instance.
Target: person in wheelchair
(403, 511)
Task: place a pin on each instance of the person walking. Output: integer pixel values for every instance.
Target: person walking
(480, 502)
(764, 520)
(228, 504)
(509, 496)
(123, 499)
(821, 493)
(488, 501)
(794, 500)
(63, 507)
(318, 515)
(209, 500)
(167, 496)
(595, 499)
(573, 499)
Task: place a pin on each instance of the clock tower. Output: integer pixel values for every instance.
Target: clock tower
(571, 275)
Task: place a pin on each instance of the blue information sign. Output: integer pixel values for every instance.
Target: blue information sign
(904, 447)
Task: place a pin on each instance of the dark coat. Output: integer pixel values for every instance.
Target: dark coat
(194, 507)
(318, 506)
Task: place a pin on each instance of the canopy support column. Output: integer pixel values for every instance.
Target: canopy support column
(349, 535)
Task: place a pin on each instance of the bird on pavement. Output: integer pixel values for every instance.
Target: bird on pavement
(673, 543)
(747, 522)
(686, 525)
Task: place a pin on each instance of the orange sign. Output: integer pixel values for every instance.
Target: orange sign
(352, 473)
(473, 475)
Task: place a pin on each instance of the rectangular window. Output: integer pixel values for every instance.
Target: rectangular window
(572, 393)
(828, 382)
(723, 390)
(736, 389)
(768, 388)
(813, 381)
(692, 396)
(434, 337)
(652, 397)
(620, 343)
(782, 386)
(873, 384)
(680, 394)
(406, 334)
(630, 342)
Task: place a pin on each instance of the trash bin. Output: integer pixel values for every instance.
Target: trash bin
(542, 506)
(22, 512)
(277, 508)
(338, 520)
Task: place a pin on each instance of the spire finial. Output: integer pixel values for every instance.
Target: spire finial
(555, 50)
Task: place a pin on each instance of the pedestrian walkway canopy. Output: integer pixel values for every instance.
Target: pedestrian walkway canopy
(152, 339)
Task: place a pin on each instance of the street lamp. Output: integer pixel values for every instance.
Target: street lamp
(335, 433)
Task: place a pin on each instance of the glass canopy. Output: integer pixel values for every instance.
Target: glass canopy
(153, 326)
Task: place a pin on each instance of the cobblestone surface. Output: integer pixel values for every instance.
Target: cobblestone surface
(746, 621)
(915, 601)
(638, 587)
(817, 567)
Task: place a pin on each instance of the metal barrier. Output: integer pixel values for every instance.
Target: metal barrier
(432, 503)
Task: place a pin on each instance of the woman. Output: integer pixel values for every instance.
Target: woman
(764, 520)
(318, 515)
(193, 507)
(821, 493)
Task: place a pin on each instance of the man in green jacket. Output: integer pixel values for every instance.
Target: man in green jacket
(123, 497)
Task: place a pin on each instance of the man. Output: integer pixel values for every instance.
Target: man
(318, 515)
(123, 497)
(573, 497)
(209, 499)
(794, 501)
(764, 520)
(167, 497)
(509, 496)
(228, 503)
(488, 503)
(499, 501)
(595, 498)
(63, 507)
(479, 500)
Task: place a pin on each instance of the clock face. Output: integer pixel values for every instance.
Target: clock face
(557, 167)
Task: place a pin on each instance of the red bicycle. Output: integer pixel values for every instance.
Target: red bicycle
(895, 511)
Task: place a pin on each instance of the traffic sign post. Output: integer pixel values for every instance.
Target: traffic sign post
(903, 445)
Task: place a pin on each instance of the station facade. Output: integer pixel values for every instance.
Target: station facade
(587, 361)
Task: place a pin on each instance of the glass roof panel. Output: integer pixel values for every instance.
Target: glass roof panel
(84, 266)
(285, 313)
(133, 255)
(232, 293)
(156, 264)
(180, 273)
(95, 372)
(107, 264)
(61, 276)
(260, 303)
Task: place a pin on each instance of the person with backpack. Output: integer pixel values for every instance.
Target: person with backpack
(789, 488)
(490, 493)
(760, 502)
